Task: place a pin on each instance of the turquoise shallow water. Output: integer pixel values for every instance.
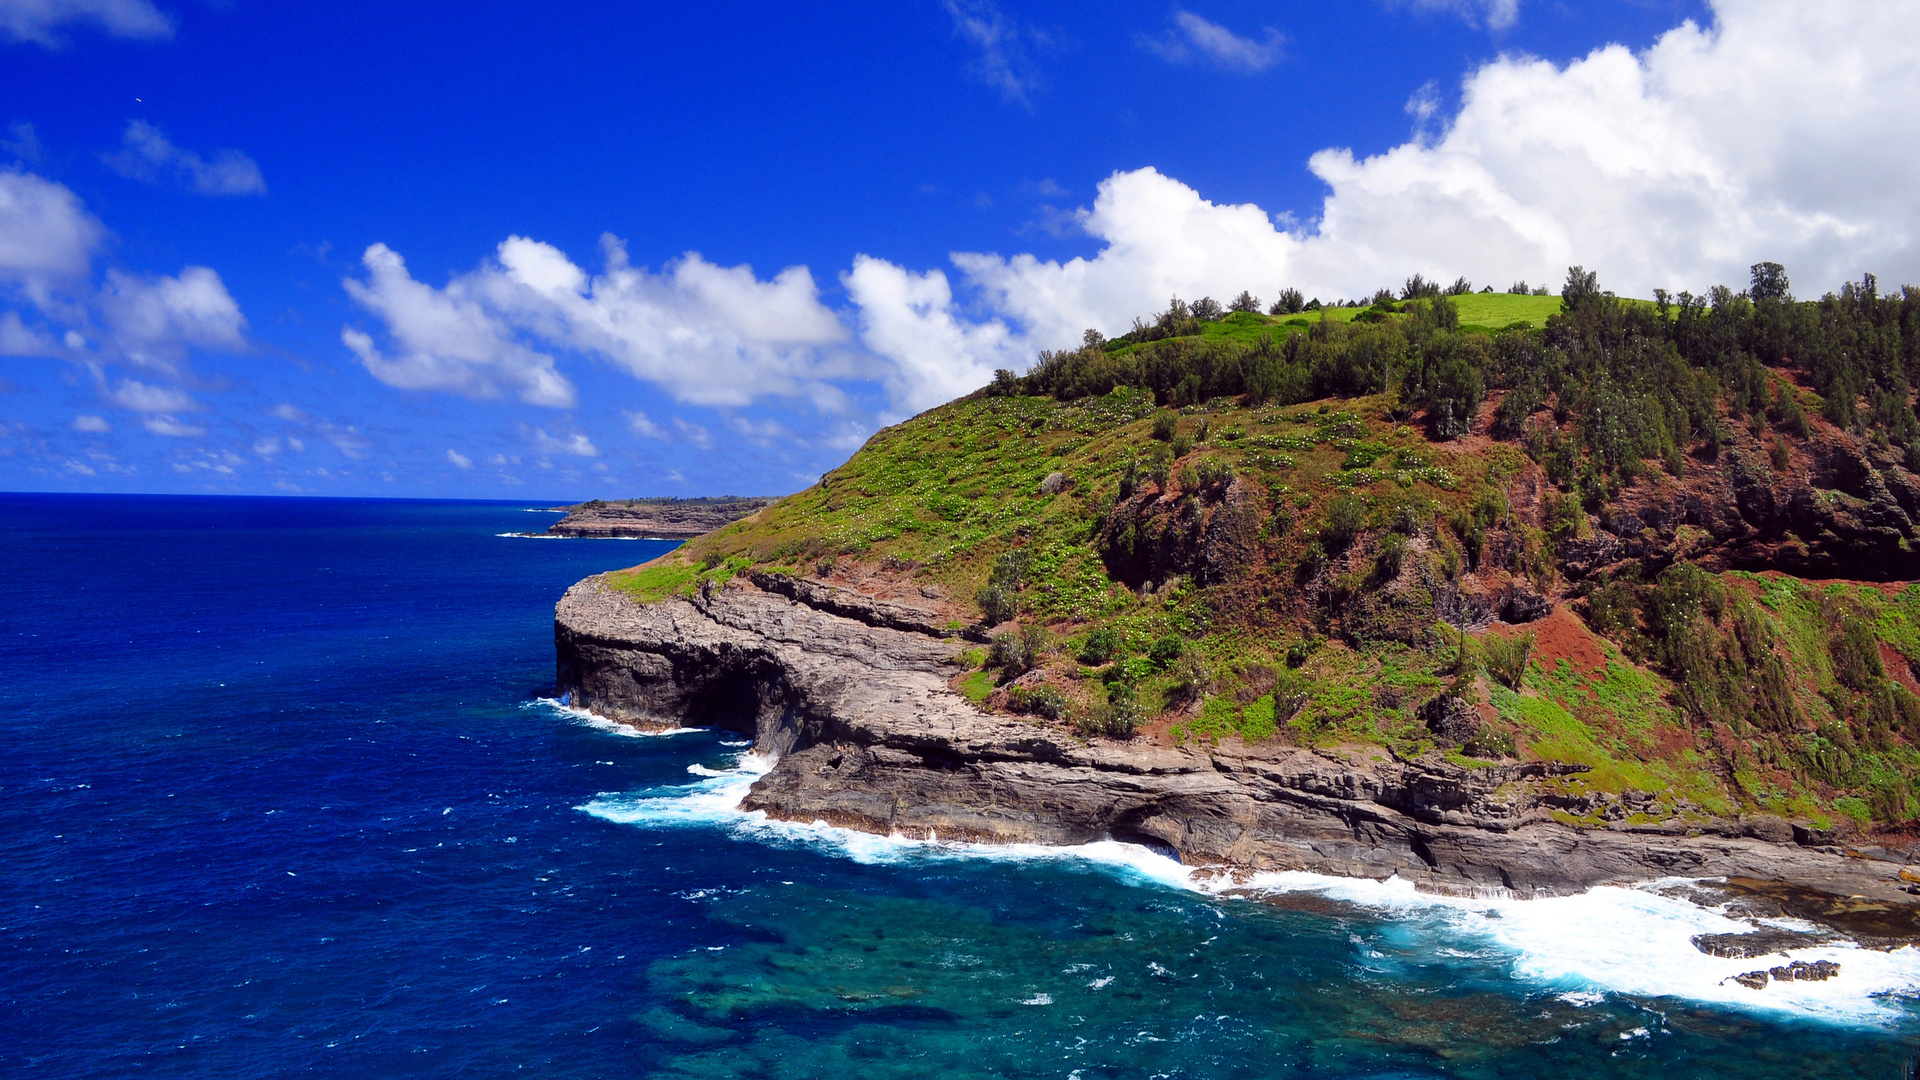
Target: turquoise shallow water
(281, 797)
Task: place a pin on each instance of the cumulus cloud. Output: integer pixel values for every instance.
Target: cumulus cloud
(47, 237)
(1000, 45)
(1193, 39)
(448, 339)
(642, 425)
(459, 460)
(910, 319)
(155, 318)
(147, 154)
(96, 425)
(136, 396)
(1780, 132)
(708, 334)
(41, 21)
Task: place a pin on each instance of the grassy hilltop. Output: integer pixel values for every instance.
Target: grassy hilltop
(1493, 526)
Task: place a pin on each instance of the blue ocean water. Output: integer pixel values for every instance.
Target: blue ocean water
(279, 796)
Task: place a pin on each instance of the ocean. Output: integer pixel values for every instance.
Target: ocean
(284, 793)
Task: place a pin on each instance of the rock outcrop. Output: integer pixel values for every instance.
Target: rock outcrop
(855, 705)
(653, 519)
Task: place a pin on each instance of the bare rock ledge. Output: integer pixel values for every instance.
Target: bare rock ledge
(867, 735)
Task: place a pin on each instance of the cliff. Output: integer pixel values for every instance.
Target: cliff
(868, 735)
(653, 519)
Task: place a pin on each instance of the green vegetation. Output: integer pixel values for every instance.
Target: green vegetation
(1272, 528)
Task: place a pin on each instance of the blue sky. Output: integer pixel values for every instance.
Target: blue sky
(355, 248)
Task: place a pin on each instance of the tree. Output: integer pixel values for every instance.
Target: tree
(1769, 283)
(1418, 287)
(1206, 309)
(1460, 287)
(1246, 301)
(1582, 285)
(1289, 303)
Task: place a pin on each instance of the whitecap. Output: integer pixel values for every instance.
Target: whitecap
(1630, 940)
(1627, 939)
(600, 723)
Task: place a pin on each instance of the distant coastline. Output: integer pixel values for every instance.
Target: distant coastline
(654, 519)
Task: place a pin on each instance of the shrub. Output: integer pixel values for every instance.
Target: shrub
(711, 559)
(1215, 473)
(1392, 556)
(1042, 701)
(1159, 466)
(1165, 423)
(1017, 652)
(1105, 643)
(1780, 455)
(1342, 525)
(1488, 743)
(1182, 444)
(1117, 719)
(999, 598)
(1189, 478)
(1506, 657)
(1166, 650)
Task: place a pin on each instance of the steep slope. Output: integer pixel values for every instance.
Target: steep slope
(1495, 601)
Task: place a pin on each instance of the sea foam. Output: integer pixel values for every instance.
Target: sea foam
(600, 723)
(1631, 940)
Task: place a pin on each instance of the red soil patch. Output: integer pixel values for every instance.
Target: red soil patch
(1898, 669)
(1561, 636)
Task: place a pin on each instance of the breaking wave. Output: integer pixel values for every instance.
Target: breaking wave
(1630, 940)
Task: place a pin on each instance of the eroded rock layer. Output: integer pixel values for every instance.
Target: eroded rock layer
(868, 735)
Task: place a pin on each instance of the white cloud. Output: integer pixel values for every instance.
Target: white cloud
(134, 395)
(459, 460)
(1783, 132)
(577, 445)
(759, 432)
(1000, 60)
(1193, 39)
(1497, 14)
(266, 447)
(286, 411)
(19, 339)
(693, 433)
(449, 340)
(40, 21)
(155, 318)
(95, 424)
(167, 425)
(909, 319)
(710, 335)
(47, 238)
(644, 426)
(147, 154)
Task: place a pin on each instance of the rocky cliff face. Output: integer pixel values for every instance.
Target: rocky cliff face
(854, 703)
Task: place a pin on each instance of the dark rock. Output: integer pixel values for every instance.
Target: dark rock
(1752, 980)
(1802, 971)
(1524, 607)
(1451, 720)
(1761, 942)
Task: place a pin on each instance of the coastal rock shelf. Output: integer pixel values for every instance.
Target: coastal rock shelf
(867, 735)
